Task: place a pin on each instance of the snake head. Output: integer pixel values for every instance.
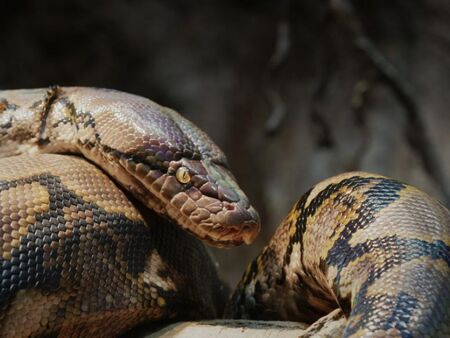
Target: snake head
(205, 199)
(169, 164)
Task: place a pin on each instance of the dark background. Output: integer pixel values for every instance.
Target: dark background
(292, 91)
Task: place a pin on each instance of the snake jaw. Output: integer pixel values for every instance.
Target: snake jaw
(217, 222)
(213, 231)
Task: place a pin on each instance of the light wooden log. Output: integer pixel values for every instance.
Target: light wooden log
(329, 326)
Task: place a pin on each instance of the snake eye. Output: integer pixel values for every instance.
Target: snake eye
(183, 175)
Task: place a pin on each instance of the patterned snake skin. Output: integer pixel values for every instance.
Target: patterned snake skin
(83, 257)
(375, 247)
(78, 259)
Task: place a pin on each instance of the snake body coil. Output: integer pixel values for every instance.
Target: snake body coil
(78, 259)
(376, 248)
(82, 256)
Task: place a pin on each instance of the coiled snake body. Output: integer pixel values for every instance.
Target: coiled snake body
(83, 256)
(372, 246)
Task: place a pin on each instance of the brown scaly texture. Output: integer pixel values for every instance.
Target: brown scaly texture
(78, 259)
(375, 247)
(164, 160)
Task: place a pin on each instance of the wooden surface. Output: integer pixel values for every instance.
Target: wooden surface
(329, 326)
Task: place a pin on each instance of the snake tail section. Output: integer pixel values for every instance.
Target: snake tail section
(78, 259)
(163, 159)
(375, 247)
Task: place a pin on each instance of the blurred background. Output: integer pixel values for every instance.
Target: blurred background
(292, 91)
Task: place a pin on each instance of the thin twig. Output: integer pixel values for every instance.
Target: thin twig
(280, 53)
(278, 111)
(359, 102)
(321, 127)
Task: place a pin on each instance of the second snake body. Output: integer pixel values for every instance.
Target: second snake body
(377, 248)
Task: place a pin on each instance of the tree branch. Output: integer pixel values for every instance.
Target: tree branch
(416, 133)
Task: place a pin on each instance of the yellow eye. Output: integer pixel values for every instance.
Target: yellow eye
(183, 175)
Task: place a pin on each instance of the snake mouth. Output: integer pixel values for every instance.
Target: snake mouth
(240, 224)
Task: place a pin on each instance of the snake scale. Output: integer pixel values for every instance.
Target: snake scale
(99, 190)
